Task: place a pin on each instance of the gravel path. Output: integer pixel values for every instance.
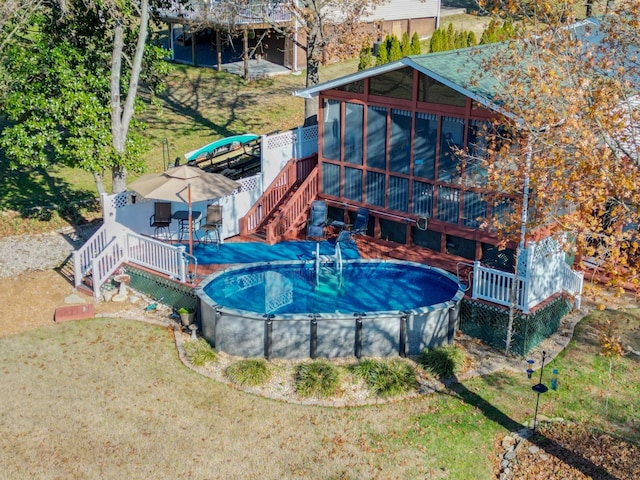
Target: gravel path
(22, 253)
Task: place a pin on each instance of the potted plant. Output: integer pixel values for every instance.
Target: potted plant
(187, 315)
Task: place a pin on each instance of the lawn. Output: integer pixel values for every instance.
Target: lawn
(109, 398)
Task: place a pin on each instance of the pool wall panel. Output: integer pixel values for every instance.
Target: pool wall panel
(239, 335)
(336, 337)
(290, 339)
(426, 330)
(380, 336)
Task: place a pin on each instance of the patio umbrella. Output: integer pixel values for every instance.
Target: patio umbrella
(184, 184)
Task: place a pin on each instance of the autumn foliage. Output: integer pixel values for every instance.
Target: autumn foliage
(570, 134)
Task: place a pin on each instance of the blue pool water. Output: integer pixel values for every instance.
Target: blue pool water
(363, 286)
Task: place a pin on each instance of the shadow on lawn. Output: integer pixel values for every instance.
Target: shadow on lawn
(36, 195)
(550, 446)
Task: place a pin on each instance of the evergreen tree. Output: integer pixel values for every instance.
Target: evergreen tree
(395, 52)
(489, 34)
(405, 45)
(437, 43)
(383, 54)
(471, 39)
(450, 38)
(416, 47)
(365, 58)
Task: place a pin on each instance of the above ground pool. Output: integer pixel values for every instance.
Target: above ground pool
(293, 309)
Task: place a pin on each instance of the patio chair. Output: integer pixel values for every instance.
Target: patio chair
(359, 228)
(161, 219)
(213, 224)
(317, 220)
(362, 221)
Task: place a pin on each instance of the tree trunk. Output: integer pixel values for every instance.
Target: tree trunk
(513, 302)
(97, 177)
(118, 179)
(121, 115)
(313, 76)
(245, 52)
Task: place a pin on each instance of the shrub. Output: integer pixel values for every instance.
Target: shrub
(444, 362)
(385, 378)
(249, 372)
(199, 352)
(316, 379)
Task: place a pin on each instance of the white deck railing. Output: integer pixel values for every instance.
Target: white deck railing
(495, 286)
(161, 257)
(572, 283)
(543, 273)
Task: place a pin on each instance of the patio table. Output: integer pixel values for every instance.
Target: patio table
(183, 222)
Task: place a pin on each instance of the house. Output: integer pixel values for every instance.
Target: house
(386, 138)
(222, 34)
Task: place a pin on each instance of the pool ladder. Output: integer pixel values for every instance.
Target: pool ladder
(322, 261)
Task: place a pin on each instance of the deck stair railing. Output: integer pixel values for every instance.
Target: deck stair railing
(83, 257)
(280, 191)
(105, 252)
(288, 219)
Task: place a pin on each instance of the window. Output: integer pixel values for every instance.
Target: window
(475, 209)
(331, 179)
(432, 91)
(331, 135)
(424, 146)
(400, 148)
(451, 138)
(426, 238)
(393, 231)
(353, 87)
(394, 84)
(399, 194)
(422, 199)
(354, 123)
(376, 190)
(461, 247)
(448, 204)
(376, 137)
(475, 172)
(353, 184)
(496, 258)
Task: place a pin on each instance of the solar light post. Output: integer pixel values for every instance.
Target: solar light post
(540, 387)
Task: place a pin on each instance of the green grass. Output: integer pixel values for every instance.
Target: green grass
(386, 378)
(317, 379)
(199, 352)
(249, 372)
